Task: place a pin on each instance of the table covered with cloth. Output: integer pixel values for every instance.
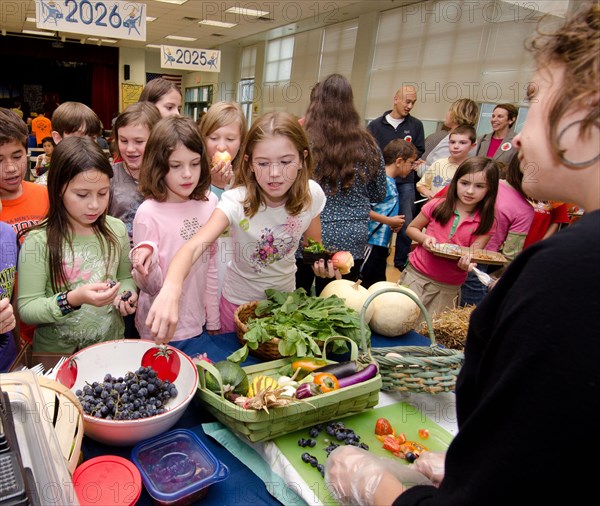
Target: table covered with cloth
(244, 487)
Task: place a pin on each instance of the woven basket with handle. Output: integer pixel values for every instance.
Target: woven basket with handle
(430, 369)
(259, 425)
(267, 351)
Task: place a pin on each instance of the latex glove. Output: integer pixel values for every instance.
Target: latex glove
(353, 476)
(431, 464)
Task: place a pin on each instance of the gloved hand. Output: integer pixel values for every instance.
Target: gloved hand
(353, 476)
(431, 464)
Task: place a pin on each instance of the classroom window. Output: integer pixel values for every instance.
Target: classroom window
(280, 53)
(246, 97)
(337, 49)
(449, 53)
(246, 85)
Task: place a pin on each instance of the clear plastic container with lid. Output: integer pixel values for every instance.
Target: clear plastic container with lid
(177, 468)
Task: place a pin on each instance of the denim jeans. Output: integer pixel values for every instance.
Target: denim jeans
(406, 198)
(472, 290)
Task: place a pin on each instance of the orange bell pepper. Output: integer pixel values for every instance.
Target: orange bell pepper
(327, 382)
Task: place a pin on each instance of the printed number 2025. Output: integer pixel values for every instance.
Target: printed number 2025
(86, 13)
(191, 57)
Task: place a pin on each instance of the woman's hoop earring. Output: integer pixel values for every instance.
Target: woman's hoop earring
(571, 163)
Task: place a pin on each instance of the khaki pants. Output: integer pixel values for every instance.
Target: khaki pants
(436, 297)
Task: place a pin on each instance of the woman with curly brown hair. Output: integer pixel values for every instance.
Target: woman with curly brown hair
(531, 376)
(349, 168)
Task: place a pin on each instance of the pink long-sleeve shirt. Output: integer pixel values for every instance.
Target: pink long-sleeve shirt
(166, 226)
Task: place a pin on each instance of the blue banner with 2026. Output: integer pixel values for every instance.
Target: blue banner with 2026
(106, 18)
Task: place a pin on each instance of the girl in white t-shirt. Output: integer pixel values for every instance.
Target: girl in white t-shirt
(223, 129)
(273, 204)
(176, 186)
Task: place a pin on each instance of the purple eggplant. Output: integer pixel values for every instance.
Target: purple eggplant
(366, 374)
(340, 370)
(307, 390)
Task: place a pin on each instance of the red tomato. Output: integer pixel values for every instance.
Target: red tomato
(164, 361)
(423, 433)
(383, 427)
(67, 374)
(391, 444)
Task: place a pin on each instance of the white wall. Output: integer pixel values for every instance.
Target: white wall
(136, 59)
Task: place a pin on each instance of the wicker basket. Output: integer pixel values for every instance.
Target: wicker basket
(266, 351)
(261, 426)
(430, 369)
(66, 414)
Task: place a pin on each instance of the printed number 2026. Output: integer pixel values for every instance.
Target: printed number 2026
(191, 57)
(86, 13)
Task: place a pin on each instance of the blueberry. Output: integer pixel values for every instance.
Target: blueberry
(410, 457)
(312, 443)
(314, 432)
(306, 457)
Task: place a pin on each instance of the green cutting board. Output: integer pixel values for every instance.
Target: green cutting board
(403, 417)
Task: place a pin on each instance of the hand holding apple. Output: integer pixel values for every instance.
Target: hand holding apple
(343, 261)
(221, 157)
(221, 172)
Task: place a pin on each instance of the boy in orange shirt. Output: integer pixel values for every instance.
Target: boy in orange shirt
(23, 203)
(41, 127)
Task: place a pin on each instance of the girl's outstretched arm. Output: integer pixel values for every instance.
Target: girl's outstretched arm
(164, 313)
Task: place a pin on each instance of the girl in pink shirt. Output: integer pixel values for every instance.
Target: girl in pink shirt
(465, 217)
(178, 203)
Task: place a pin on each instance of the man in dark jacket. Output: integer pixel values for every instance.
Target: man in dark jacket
(399, 124)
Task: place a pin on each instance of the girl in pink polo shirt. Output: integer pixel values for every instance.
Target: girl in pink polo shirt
(465, 217)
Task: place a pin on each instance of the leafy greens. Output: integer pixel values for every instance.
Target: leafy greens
(300, 322)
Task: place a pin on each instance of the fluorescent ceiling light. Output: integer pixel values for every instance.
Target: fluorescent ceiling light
(220, 24)
(252, 13)
(37, 32)
(110, 41)
(180, 37)
(150, 19)
(153, 45)
(178, 2)
(31, 20)
(93, 39)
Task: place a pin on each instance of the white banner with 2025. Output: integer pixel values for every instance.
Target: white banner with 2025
(185, 58)
(106, 18)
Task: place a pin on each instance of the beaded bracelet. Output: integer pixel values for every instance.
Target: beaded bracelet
(63, 303)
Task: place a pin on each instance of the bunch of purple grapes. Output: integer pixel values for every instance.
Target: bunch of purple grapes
(137, 395)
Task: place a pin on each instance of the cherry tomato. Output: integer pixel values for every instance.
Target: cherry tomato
(383, 427)
(67, 374)
(391, 444)
(164, 361)
(423, 433)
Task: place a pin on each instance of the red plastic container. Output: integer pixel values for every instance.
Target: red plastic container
(107, 480)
